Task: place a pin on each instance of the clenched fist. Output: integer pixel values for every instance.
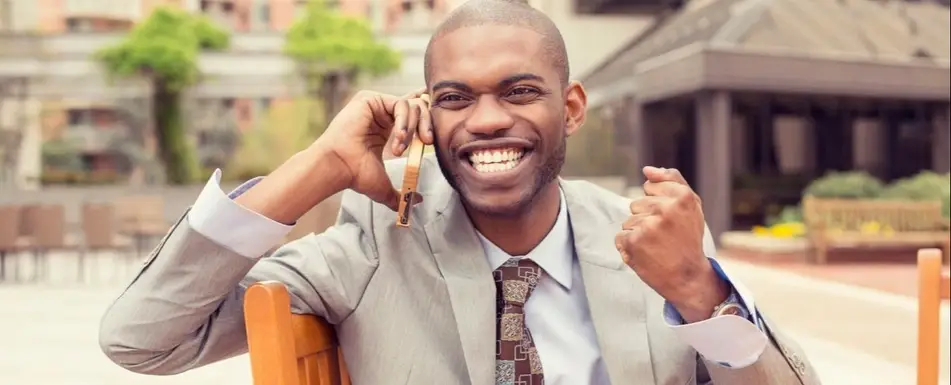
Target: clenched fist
(662, 242)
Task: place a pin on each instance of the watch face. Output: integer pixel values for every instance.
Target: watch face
(732, 309)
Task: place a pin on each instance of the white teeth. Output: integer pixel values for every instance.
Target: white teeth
(495, 160)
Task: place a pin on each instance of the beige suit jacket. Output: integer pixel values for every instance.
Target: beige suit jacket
(411, 306)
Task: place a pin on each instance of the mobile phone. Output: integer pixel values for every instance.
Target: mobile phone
(414, 160)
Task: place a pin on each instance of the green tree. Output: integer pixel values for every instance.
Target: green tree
(332, 51)
(164, 48)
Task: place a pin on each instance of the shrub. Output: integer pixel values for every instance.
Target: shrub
(845, 185)
(924, 186)
(789, 214)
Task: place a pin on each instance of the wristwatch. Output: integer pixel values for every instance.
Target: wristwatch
(731, 306)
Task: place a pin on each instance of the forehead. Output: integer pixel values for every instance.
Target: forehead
(487, 53)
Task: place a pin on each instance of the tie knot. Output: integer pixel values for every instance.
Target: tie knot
(515, 280)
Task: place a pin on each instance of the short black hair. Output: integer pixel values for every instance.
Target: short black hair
(509, 13)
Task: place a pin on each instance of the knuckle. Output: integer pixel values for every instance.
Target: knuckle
(620, 239)
(685, 197)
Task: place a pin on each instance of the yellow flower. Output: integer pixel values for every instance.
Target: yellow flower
(888, 231)
(760, 230)
(788, 230)
(872, 227)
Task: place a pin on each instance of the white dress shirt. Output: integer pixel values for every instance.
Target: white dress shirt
(556, 313)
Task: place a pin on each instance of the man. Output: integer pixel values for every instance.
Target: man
(508, 273)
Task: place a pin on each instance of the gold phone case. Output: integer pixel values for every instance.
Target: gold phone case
(414, 160)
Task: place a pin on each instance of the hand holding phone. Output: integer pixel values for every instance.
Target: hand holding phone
(354, 143)
(409, 193)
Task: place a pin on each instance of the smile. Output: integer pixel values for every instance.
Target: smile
(496, 159)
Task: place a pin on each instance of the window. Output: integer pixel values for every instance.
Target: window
(75, 117)
(221, 11)
(412, 15)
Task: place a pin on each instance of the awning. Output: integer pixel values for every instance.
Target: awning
(851, 47)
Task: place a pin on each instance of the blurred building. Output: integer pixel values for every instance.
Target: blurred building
(751, 99)
(45, 48)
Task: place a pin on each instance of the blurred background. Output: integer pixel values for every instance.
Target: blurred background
(816, 132)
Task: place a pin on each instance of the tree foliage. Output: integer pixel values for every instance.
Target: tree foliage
(164, 48)
(333, 50)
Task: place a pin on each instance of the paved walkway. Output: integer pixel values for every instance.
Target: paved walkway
(48, 334)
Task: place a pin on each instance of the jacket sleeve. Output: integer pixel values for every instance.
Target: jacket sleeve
(184, 309)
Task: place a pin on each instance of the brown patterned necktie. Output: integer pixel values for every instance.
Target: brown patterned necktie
(516, 359)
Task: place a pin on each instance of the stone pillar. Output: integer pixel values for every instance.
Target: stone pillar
(714, 176)
(30, 162)
(378, 15)
(941, 144)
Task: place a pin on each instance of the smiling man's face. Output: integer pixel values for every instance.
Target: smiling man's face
(501, 115)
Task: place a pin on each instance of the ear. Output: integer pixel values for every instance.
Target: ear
(576, 107)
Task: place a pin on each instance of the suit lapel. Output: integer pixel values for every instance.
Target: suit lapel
(615, 294)
(461, 259)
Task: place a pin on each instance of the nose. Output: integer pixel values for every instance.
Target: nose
(488, 117)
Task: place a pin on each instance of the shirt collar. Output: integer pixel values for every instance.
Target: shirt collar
(554, 253)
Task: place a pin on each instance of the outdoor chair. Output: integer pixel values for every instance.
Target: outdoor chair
(142, 218)
(286, 348)
(11, 241)
(48, 226)
(101, 233)
(933, 288)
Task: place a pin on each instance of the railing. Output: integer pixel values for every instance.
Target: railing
(91, 139)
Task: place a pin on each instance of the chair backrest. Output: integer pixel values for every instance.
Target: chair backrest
(99, 225)
(933, 287)
(27, 216)
(289, 349)
(50, 222)
(9, 226)
(139, 214)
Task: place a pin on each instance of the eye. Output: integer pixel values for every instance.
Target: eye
(450, 101)
(450, 97)
(522, 94)
(522, 91)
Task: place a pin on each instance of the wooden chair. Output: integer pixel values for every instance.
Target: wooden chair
(11, 241)
(48, 223)
(289, 349)
(933, 287)
(101, 233)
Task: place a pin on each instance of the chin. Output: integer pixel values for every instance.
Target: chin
(510, 203)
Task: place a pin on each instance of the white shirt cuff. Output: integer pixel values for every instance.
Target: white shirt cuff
(729, 340)
(219, 218)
